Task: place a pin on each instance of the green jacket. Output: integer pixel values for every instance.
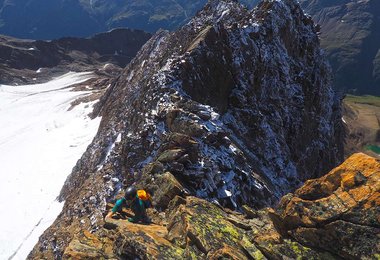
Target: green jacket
(137, 206)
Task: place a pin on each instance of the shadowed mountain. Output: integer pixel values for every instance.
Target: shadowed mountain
(21, 61)
(350, 33)
(46, 19)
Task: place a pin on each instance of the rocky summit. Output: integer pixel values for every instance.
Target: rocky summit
(230, 112)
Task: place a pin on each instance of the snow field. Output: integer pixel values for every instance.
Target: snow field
(40, 142)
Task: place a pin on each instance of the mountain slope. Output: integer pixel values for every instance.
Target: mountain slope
(44, 19)
(350, 33)
(235, 107)
(40, 141)
(25, 61)
(362, 116)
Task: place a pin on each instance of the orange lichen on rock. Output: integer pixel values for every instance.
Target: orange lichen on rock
(343, 205)
(335, 216)
(338, 192)
(89, 246)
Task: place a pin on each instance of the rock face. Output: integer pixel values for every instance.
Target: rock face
(339, 212)
(242, 106)
(334, 217)
(23, 60)
(350, 33)
(236, 107)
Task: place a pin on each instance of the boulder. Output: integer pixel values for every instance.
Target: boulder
(137, 240)
(89, 246)
(339, 212)
(205, 226)
(167, 188)
(170, 155)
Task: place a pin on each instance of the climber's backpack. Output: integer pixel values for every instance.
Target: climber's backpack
(145, 197)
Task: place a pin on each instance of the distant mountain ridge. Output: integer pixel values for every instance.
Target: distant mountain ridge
(350, 29)
(46, 19)
(350, 33)
(29, 61)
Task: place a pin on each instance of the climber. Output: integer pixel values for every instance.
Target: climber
(137, 200)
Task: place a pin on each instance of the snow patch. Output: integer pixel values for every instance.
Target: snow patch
(109, 150)
(130, 75)
(107, 65)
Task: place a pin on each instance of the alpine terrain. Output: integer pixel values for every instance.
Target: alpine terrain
(82, 18)
(44, 109)
(350, 33)
(29, 61)
(229, 122)
(42, 135)
(219, 120)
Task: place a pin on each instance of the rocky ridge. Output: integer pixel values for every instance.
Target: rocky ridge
(333, 217)
(238, 112)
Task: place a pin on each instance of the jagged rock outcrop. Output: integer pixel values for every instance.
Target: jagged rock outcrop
(236, 107)
(339, 212)
(334, 217)
(250, 92)
(26, 61)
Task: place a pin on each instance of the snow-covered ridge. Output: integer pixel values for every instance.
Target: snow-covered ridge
(40, 142)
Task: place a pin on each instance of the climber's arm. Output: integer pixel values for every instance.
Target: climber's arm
(118, 207)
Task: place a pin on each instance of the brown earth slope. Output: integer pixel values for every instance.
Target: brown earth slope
(361, 115)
